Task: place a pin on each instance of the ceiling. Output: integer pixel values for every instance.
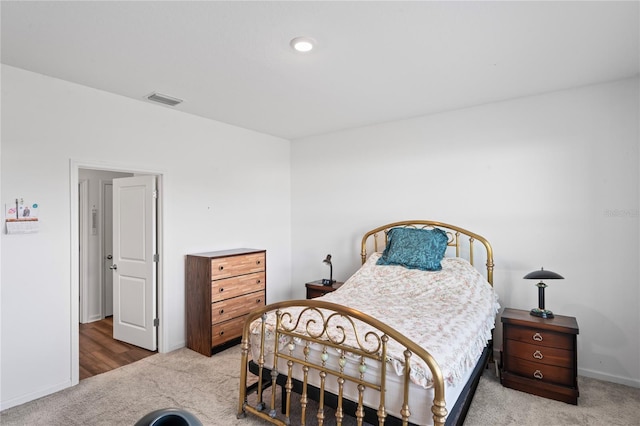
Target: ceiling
(374, 61)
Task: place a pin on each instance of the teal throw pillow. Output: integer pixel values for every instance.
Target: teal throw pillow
(415, 248)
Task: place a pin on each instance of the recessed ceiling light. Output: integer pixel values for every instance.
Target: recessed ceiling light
(303, 44)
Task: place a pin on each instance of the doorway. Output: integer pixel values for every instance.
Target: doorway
(96, 243)
(92, 328)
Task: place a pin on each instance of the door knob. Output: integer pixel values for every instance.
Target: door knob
(114, 266)
(109, 257)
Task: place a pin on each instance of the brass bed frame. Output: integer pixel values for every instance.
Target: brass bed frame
(371, 346)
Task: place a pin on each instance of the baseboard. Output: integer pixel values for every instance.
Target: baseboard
(33, 395)
(95, 318)
(175, 347)
(627, 381)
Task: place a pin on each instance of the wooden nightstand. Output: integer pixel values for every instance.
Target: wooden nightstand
(317, 289)
(539, 356)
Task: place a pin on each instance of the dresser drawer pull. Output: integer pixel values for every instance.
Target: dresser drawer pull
(538, 374)
(258, 300)
(538, 355)
(258, 262)
(220, 268)
(221, 333)
(258, 281)
(221, 289)
(537, 337)
(221, 311)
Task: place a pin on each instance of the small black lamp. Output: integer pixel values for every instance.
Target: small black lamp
(330, 281)
(540, 311)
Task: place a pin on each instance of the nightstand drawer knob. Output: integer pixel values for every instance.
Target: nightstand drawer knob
(538, 355)
(258, 281)
(537, 337)
(538, 374)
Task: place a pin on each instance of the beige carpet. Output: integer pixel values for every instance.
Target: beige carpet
(208, 387)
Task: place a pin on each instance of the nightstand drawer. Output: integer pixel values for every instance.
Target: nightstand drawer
(540, 372)
(539, 337)
(540, 354)
(238, 306)
(312, 294)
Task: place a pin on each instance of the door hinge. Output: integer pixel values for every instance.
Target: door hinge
(156, 257)
(156, 322)
(155, 193)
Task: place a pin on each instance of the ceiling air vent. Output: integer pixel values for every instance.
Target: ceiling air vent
(164, 99)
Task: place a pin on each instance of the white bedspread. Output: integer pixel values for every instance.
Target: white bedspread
(450, 312)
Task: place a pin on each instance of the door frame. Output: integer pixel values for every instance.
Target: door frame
(74, 166)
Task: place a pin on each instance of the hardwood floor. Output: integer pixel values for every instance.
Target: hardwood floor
(100, 353)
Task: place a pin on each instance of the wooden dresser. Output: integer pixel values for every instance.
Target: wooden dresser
(221, 288)
(539, 356)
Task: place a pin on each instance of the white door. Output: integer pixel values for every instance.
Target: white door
(134, 268)
(107, 273)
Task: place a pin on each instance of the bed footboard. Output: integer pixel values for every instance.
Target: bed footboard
(321, 347)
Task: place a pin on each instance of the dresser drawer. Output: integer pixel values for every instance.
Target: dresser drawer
(236, 286)
(238, 306)
(540, 372)
(540, 354)
(225, 331)
(225, 267)
(539, 337)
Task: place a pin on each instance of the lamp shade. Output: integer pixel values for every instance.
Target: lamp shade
(543, 274)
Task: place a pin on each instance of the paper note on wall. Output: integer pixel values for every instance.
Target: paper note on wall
(21, 217)
(22, 227)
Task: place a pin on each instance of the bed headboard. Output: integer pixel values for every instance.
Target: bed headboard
(461, 242)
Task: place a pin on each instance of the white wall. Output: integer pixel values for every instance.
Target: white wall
(223, 187)
(550, 180)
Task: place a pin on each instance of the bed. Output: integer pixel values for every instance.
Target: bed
(418, 300)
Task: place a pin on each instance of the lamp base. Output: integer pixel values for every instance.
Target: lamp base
(542, 313)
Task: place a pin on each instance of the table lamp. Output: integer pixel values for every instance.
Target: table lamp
(540, 311)
(330, 281)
